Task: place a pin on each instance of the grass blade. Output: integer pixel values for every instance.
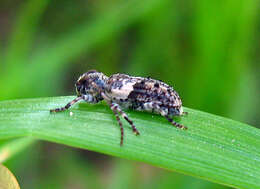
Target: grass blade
(213, 148)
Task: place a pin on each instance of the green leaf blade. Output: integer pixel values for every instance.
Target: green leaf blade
(213, 148)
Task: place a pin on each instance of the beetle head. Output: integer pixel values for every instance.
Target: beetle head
(91, 83)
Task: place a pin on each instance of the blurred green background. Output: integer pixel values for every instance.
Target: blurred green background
(207, 50)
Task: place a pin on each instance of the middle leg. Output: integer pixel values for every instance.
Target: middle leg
(113, 108)
(124, 115)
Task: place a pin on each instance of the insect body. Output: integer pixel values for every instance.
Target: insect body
(122, 91)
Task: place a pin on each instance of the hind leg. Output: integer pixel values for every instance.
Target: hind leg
(165, 113)
(180, 126)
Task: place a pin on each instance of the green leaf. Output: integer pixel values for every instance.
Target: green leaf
(213, 148)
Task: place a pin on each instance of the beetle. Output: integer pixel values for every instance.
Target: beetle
(122, 91)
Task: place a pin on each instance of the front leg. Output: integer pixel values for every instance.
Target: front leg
(67, 106)
(87, 98)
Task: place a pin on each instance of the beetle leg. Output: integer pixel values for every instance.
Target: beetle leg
(124, 115)
(114, 109)
(89, 98)
(185, 113)
(175, 123)
(164, 113)
(67, 106)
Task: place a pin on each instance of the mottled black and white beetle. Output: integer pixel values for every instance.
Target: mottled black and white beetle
(122, 91)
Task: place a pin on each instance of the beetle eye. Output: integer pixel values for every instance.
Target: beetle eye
(78, 88)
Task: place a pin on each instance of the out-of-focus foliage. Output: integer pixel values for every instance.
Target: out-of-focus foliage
(206, 49)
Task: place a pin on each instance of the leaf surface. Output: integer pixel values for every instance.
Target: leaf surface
(213, 148)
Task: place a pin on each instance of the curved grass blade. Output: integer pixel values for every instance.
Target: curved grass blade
(213, 148)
